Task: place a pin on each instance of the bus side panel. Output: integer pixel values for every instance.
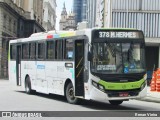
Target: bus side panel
(51, 75)
(64, 73)
(12, 72)
(29, 68)
(57, 75)
(41, 77)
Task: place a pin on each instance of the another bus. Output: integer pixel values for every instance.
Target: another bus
(93, 64)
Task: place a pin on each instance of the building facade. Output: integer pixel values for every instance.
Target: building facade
(13, 24)
(35, 7)
(49, 17)
(103, 13)
(91, 13)
(8, 30)
(67, 21)
(99, 15)
(99, 11)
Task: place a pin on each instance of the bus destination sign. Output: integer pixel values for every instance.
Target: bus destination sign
(118, 34)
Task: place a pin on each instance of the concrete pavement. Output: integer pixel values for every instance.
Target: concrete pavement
(152, 96)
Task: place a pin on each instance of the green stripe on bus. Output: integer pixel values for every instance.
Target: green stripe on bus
(122, 86)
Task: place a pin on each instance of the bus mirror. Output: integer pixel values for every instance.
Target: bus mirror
(89, 56)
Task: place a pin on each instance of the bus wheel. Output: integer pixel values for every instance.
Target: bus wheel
(115, 102)
(28, 86)
(70, 94)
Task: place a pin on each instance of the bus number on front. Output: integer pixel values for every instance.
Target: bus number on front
(103, 34)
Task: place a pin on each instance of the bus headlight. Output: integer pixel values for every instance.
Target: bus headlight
(98, 86)
(95, 84)
(101, 88)
(143, 85)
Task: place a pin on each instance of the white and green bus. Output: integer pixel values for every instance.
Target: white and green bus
(93, 64)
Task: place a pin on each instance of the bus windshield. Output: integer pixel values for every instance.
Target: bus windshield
(120, 58)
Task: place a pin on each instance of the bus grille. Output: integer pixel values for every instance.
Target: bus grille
(114, 93)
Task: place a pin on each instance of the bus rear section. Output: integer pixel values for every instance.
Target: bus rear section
(118, 65)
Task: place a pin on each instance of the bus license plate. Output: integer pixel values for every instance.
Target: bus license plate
(125, 94)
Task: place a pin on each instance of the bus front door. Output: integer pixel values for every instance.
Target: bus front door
(18, 65)
(79, 68)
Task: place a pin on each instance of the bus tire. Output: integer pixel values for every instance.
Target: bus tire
(28, 85)
(116, 102)
(70, 94)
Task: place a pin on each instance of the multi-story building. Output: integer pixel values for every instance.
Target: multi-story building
(14, 23)
(67, 21)
(49, 17)
(79, 9)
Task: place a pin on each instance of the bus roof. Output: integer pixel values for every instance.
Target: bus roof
(61, 34)
(117, 28)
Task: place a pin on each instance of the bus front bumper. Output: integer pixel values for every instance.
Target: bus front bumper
(98, 95)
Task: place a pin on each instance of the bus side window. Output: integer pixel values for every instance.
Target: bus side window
(59, 50)
(68, 52)
(32, 50)
(25, 51)
(41, 50)
(13, 52)
(50, 50)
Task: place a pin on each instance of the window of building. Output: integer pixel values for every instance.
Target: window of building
(14, 26)
(41, 50)
(5, 18)
(50, 50)
(68, 49)
(10, 25)
(59, 50)
(13, 52)
(32, 50)
(25, 51)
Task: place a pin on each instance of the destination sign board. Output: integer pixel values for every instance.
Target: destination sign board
(117, 34)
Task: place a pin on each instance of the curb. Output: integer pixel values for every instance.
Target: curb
(151, 99)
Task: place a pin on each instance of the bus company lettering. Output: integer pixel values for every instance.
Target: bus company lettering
(27, 114)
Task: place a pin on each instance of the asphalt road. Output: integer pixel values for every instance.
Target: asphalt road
(13, 98)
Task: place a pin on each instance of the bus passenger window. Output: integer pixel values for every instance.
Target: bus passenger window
(13, 52)
(69, 49)
(41, 51)
(25, 51)
(50, 50)
(59, 50)
(32, 50)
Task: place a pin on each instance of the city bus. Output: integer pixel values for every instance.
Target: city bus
(106, 65)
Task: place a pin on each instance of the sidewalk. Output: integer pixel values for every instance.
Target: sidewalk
(152, 96)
